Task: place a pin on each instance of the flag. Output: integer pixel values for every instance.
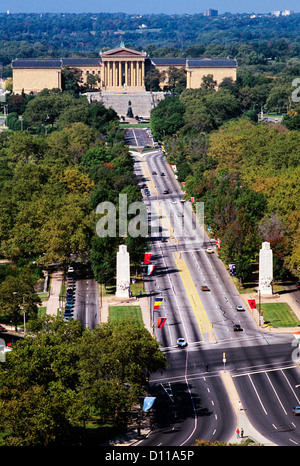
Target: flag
(148, 402)
(150, 269)
(160, 322)
(147, 258)
(218, 243)
(252, 303)
(157, 303)
(232, 269)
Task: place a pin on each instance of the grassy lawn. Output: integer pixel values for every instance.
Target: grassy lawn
(125, 312)
(137, 287)
(279, 315)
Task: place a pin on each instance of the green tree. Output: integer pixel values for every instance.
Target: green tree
(17, 296)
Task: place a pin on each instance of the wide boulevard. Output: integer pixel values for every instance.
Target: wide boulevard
(191, 399)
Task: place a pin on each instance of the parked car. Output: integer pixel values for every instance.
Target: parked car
(2, 329)
(66, 318)
(162, 174)
(204, 288)
(181, 342)
(209, 250)
(166, 191)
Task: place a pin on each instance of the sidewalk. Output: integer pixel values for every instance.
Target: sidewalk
(55, 287)
(242, 421)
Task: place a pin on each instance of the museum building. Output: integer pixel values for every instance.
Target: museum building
(118, 71)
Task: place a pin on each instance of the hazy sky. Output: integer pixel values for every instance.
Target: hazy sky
(148, 6)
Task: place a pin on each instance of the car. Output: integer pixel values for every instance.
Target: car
(239, 308)
(180, 214)
(70, 304)
(166, 191)
(154, 173)
(204, 288)
(164, 239)
(296, 410)
(2, 329)
(181, 342)
(162, 174)
(237, 328)
(298, 285)
(66, 318)
(209, 250)
(173, 201)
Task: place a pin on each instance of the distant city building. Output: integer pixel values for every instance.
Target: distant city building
(281, 13)
(210, 12)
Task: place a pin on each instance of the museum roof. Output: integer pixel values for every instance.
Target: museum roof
(211, 63)
(54, 63)
(169, 61)
(81, 61)
(36, 63)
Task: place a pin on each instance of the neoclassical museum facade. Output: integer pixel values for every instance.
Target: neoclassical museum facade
(119, 70)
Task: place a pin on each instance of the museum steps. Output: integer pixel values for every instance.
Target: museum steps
(141, 103)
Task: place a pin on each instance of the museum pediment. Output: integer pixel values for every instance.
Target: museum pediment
(123, 52)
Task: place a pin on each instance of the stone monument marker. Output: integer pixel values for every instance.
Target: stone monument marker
(265, 269)
(123, 273)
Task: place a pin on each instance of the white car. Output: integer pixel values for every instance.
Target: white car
(181, 342)
(239, 308)
(209, 250)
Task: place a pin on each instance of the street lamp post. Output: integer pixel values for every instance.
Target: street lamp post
(24, 315)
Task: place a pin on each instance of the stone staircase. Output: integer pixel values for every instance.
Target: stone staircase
(141, 103)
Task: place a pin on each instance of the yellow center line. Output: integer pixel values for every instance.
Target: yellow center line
(203, 322)
(145, 169)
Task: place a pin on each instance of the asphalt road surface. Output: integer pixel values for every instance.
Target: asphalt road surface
(87, 298)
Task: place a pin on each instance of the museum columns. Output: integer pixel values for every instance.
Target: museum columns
(123, 70)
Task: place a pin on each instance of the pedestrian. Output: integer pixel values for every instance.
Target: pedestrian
(242, 433)
(237, 433)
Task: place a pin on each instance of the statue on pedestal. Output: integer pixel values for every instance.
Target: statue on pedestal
(123, 273)
(266, 269)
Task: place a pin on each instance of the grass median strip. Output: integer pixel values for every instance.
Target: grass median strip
(126, 312)
(279, 315)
